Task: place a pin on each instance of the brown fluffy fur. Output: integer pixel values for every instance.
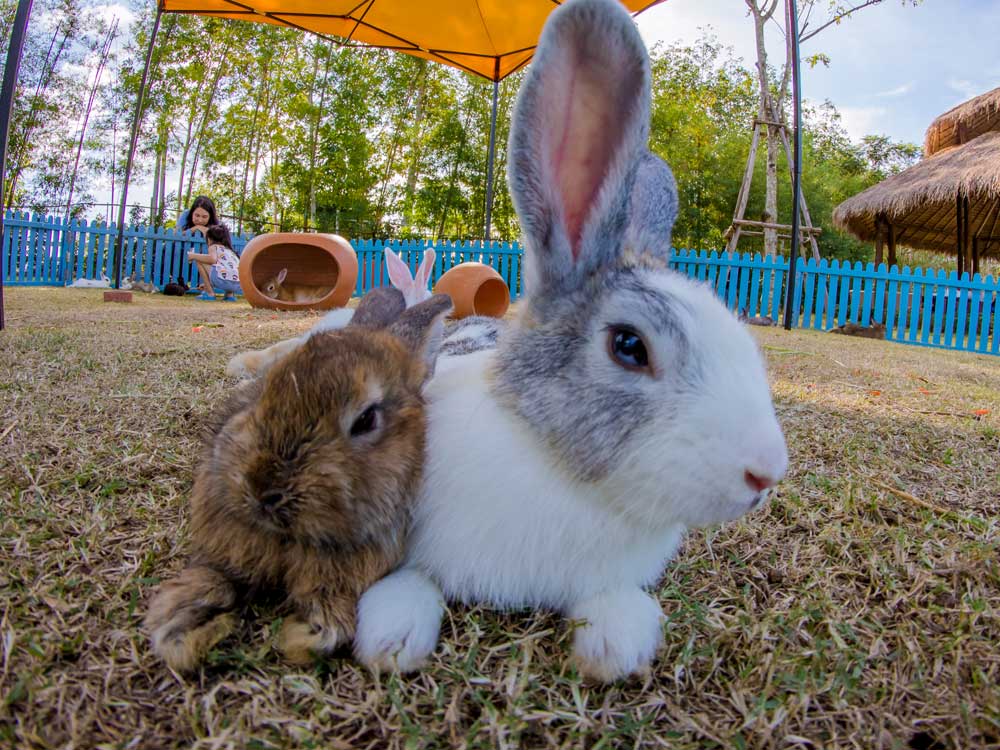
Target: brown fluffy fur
(341, 519)
(874, 331)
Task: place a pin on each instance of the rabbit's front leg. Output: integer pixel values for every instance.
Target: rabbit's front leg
(190, 614)
(324, 620)
(619, 636)
(399, 619)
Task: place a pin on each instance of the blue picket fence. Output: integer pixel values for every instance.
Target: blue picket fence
(922, 307)
(504, 257)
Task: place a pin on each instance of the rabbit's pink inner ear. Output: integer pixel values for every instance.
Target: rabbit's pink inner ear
(399, 274)
(591, 103)
(426, 265)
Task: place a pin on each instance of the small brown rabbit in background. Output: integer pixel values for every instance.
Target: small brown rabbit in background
(276, 288)
(306, 485)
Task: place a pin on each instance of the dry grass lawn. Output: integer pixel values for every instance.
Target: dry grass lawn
(859, 609)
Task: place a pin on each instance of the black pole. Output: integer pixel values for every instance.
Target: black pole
(489, 159)
(792, 16)
(120, 236)
(17, 34)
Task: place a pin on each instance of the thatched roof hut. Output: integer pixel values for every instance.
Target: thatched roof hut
(963, 123)
(949, 201)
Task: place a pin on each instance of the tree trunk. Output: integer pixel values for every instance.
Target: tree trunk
(771, 195)
(413, 169)
(102, 63)
(201, 131)
(314, 135)
(19, 162)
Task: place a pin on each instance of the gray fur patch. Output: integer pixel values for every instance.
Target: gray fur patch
(380, 307)
(544, 376)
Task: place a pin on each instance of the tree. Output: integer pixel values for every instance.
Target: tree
(773, 85)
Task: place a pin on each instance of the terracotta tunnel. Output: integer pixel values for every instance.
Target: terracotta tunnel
(475, 289)
(319, 260)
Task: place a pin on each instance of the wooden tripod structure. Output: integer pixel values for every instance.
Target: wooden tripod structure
(768, 118)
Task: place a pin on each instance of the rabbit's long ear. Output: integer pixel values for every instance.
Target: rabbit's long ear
(579, 130)
(653, 208)
(399, 272)
(424, 271)
(421, 328)
(379, 308)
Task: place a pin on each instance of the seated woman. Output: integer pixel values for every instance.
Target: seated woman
(219, 268)
(198, 218)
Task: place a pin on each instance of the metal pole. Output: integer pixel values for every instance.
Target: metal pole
(17, 34)
(489, 159)
(120, 236)
(792, 16)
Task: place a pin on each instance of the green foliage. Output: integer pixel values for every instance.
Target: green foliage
(286, 131)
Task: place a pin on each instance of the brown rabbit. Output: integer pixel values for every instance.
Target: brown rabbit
(306, 484)
(276, 288)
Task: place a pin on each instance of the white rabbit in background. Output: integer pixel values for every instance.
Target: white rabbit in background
(103, 283)
(415, 288)
(624, 405)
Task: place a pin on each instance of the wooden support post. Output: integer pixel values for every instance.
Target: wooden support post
(802, 198)
(892, 244)
(959, 239)
(966, 235)
(744, 196)
(879, 236)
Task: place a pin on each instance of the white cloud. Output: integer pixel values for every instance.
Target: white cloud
(906, 88)
(860, 121)
(110, 11)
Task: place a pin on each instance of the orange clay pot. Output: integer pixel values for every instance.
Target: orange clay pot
(475, 289)
(314, 259)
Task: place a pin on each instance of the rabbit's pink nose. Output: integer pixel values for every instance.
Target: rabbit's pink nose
(759, 482)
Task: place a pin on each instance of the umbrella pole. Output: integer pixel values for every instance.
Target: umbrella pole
(489, 159)
(793, 36)
(17, 34)
(120, 235)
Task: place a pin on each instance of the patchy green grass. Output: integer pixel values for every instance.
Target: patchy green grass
(859, 609)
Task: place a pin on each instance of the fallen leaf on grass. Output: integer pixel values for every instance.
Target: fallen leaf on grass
(980, 412)
(925, 391)
(196, 329)
(874, 393)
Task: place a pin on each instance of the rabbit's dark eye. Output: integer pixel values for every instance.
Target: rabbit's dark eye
(627, 349)
(366, 422)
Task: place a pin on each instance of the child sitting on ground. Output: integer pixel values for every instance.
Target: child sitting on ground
(219, 267)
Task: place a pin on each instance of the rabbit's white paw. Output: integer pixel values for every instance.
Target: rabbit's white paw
(620, 636)
(398, 622)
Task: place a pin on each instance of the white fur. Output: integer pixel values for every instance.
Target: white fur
(103, 283)
(499, 521)
(621, 636)
(333, 320)
(398, 622)
(414, 288)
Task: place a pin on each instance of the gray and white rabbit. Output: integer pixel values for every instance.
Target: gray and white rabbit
(624, 405)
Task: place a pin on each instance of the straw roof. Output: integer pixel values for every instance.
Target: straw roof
(963, 123)
(920, 201)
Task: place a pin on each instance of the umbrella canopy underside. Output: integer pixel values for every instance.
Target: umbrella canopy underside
(489, 38)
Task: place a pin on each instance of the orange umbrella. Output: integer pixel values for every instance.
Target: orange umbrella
(490, 38)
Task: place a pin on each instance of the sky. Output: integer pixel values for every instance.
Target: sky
(893, 67)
